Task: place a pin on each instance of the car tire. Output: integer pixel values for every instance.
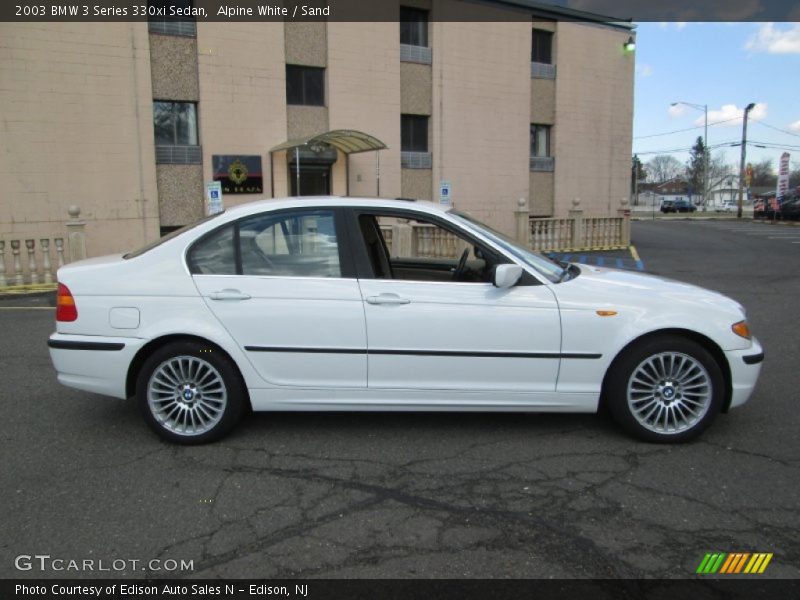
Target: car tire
(190, 393)
(666, 389)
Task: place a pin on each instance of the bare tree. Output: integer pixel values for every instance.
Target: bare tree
(663, 167)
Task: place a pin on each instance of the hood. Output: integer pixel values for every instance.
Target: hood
(629, 287)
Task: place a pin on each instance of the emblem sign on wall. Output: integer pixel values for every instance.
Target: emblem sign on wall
(238, 174)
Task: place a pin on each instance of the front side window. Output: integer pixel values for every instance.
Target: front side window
(413, 133)
(305, 85)
(413, 26)
(540, 141)
(286, 244)
(542, 47)
(175, 123)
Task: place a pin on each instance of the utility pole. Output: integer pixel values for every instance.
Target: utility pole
(747, 110)
(705, 155)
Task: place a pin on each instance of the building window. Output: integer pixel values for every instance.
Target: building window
(540, 141)
(305, 85)
(413, 133)
(175, 123)
(413, 26)
(542, 47)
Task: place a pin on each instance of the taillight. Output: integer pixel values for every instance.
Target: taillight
(65, 305)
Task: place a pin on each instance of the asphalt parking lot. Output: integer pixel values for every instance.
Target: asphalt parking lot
(419, 495)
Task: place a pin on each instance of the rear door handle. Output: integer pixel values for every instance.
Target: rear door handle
(229, 294)
(387, 299)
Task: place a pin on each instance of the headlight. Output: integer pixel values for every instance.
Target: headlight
(742, 329)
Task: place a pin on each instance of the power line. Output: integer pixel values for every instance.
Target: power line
(641, 137)
(787, 132)
(689, 149)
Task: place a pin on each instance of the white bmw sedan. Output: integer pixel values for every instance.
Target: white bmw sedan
(368, 304)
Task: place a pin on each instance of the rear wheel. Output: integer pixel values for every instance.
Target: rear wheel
(667, 389)
(190, 393)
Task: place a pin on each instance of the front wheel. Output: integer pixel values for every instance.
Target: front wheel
(190, 393)
(667, 389)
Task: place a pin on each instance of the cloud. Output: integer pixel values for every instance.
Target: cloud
(732, 115)
(673, 25)
(644, 70)
(775, 41)
(677, 110)
(795, 126)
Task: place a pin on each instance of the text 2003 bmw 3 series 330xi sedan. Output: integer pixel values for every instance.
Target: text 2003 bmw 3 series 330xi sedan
(369, 304)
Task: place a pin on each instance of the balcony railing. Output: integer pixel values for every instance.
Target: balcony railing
(416, 54)
(416, 160)
(179, 155)
(543, 71)
(164, 26)
(543, 163)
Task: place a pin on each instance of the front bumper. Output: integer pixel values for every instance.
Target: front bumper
(92, 363)
(745, 367)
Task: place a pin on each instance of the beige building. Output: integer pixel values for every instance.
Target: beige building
(130, 120)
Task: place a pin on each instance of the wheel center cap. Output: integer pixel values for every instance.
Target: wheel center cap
(188, 394)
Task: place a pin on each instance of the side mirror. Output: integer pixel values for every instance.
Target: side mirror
(506, 275)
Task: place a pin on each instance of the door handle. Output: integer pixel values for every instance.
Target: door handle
(387, 299)
(229, 294)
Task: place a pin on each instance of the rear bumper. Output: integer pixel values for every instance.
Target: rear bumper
(745, 367)
(92, 363)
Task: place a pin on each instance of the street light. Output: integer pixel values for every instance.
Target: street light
(747, 110)
(704, 108)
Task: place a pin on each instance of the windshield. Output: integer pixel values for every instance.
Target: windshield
(169, 236)
(544, 265)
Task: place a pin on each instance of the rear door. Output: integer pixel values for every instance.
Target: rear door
(283, 287)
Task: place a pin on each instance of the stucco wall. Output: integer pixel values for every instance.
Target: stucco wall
(364, 94)
(242, 96)
(173, 64)
(594, 108)
(77, 128)
(481, 106)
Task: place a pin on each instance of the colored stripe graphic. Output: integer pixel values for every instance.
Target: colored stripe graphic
(734, 563)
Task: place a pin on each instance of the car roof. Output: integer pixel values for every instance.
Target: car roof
(334, 201)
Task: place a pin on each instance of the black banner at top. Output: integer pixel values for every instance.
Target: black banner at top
(609, 11)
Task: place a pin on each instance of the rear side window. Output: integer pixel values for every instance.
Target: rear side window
(286, 244)
(215, 254)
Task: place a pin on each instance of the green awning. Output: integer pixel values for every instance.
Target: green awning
(348, 141)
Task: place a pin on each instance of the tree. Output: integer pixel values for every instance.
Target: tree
(638, 172)
(794, 175)
(696, 168)
(662, 168)
(763, 176)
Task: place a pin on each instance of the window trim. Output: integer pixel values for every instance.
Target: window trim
(348, 270)
(308, 68)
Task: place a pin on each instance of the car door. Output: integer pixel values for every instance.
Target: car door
(444, 334)
(283, 287)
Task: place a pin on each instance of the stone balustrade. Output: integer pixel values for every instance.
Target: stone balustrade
(35, 261)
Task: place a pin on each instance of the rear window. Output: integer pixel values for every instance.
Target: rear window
(169, 236)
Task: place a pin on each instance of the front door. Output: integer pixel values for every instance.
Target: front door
(314, 180)
(279, 284)
(437, 322)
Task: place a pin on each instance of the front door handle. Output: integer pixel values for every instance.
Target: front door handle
(387, 299)
(229, 294)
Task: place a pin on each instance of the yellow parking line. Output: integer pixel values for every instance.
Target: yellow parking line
(634, 253)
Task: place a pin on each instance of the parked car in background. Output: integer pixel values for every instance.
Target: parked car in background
(728, 206)
(354, 304)
(676, 206)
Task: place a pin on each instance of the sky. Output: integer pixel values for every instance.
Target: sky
(726, 66)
